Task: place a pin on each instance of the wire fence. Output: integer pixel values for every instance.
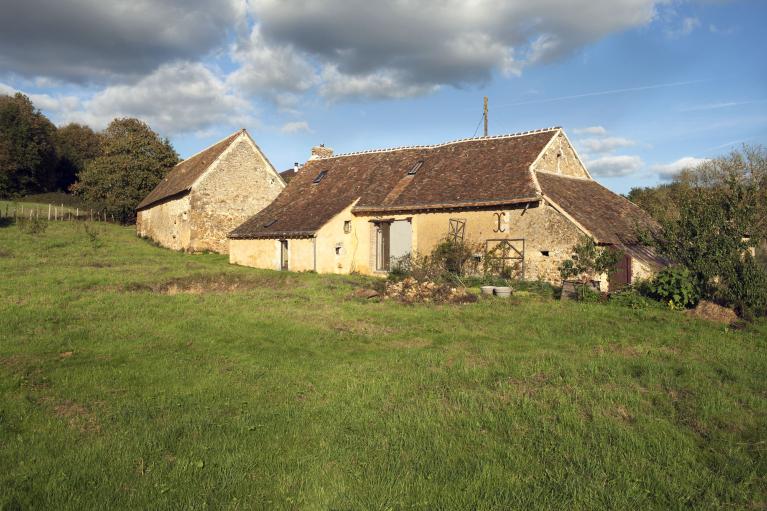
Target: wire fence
(54, 212)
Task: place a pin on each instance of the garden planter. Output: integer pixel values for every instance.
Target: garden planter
(487, 290)
(503, 292)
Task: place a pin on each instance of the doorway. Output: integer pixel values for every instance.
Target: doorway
(284, 255)
(621, 277)
(394, 240)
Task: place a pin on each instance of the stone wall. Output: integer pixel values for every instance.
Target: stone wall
(548, 235)
(166, 223)
(560, 158)
(232, 190)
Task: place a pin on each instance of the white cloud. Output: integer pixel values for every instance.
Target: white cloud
(605, 145)
(296, 127)
(393, 48)
(669, 170)
(274, 70)
(685, 28)
(591, 130)
(384, 84)
(177, 98)
(614, 166)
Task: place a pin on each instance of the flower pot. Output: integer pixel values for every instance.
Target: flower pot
(503, 292)
(487, 290)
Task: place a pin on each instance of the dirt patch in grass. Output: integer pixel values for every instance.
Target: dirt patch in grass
(5, 253)
(360, 327)
(77, 417)
(217, 283)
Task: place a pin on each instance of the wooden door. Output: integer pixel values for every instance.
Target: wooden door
(621, 277)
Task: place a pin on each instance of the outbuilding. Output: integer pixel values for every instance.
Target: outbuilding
(207, 195)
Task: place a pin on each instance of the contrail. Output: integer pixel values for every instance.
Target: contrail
(601, 93)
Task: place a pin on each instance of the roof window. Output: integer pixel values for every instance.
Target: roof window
(320, 177)
(270, 223)
(415, 168)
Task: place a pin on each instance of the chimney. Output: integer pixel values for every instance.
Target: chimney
(295, 167)
(320, 151)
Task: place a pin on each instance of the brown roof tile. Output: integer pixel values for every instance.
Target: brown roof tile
(474, 172)
(181, 177)
(609, 217)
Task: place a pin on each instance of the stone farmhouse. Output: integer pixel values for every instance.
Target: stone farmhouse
(207, 195)
(528, 194)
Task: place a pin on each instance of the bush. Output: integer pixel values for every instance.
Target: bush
(675, 286)
(589, 261)
(632, 298)
(32, 225)
(745, 288)
(448, 262)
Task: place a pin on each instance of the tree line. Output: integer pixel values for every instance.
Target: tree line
(111, 171)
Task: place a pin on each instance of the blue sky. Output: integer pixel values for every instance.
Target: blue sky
(642, 87)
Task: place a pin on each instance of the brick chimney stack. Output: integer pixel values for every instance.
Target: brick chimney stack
(320, 151)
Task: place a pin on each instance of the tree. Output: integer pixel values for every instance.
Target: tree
(132, 162)
(722, 216)
(75, 145)
(27, 150)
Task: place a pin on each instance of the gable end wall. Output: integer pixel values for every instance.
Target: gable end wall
(559, 157)
(239, 185)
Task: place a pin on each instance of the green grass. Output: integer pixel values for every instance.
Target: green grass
(285, 393)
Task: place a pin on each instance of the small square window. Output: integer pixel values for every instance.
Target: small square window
(320, 177)
(347, 226)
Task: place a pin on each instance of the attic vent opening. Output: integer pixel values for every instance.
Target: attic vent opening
(270, 223)
(320, 177)
(415, 168)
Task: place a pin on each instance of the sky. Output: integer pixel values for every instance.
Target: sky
(643, 88)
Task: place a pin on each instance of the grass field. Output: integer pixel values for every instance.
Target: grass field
(133, 377)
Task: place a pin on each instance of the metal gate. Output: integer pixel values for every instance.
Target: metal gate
(505, 251)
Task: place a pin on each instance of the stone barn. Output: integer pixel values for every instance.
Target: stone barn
(526, 197)
(207, 195)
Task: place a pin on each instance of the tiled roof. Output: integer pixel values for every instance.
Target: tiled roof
(181, 177)
(464, 173)
(609, 217)
(287, 175)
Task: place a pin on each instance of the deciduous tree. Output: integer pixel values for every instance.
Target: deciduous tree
(132, 162)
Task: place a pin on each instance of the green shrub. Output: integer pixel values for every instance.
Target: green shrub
(674, 286)
(32, 225)
(586, 293)
(745, 288)
(632, 298)
(589, 261)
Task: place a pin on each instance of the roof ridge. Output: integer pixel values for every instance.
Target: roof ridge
(442, 144)
(239, 131)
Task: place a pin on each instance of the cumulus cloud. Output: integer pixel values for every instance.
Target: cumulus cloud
(669, 170)
(274, 70)
(614, 166)
(97, 40)
(295, 127)
(178, 98)
(606, 144)
(392, 48)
